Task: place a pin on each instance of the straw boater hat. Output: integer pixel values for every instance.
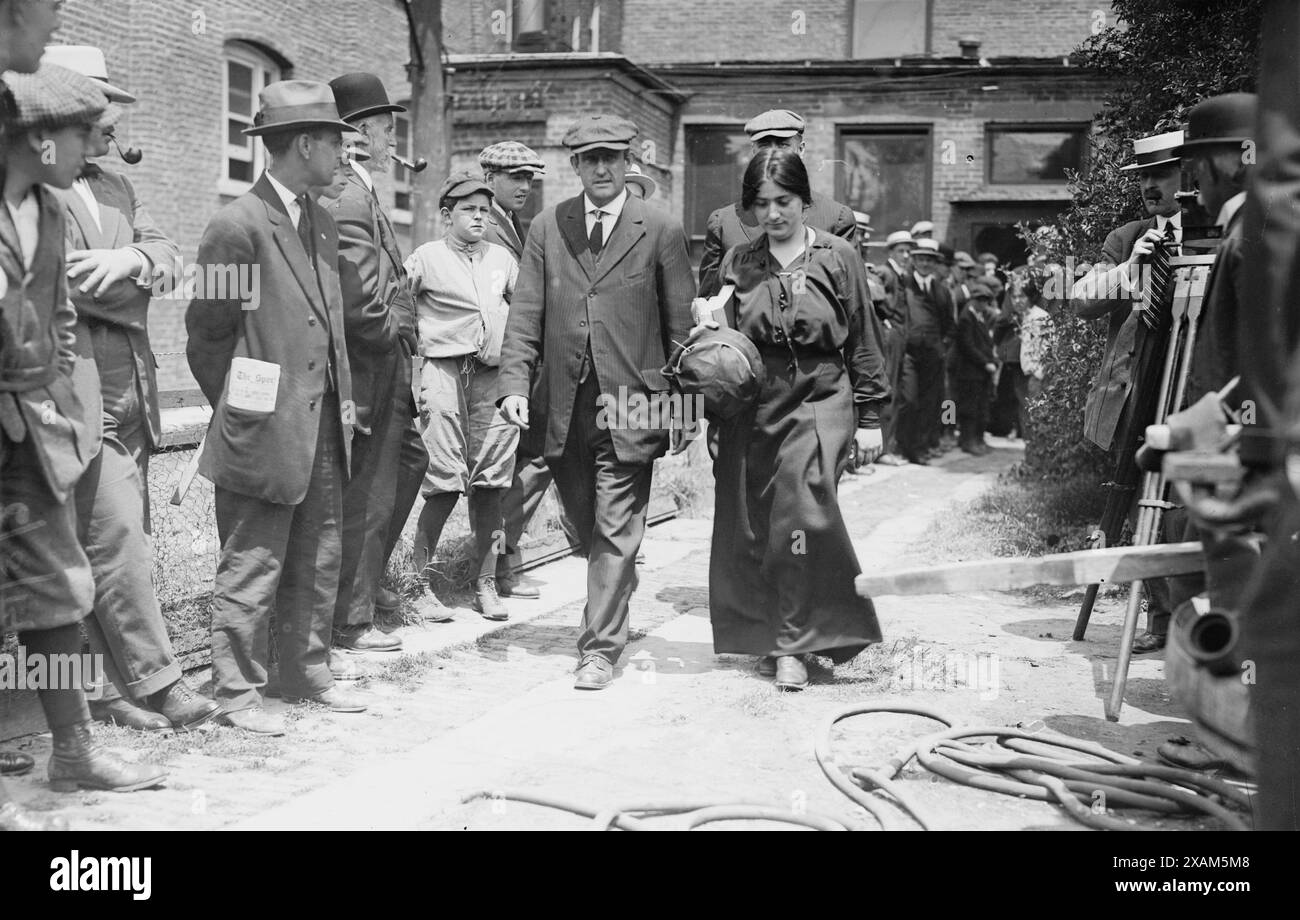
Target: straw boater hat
(296, 105)
(922, 226)
(1156, 150)
(88, 61)
(898, 237)
(927, 248)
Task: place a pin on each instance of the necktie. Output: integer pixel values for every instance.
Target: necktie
(1158, 288)
(304, 230)
(597, 241)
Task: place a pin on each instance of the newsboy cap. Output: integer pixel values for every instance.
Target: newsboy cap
(462, 184)
(510, 156)
(88, 61)
(296, 105)
(360, 95)
(53, 98)
(775, 123)
(963, 260)
(592, 131)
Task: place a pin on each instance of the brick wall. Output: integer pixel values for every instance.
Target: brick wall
(482, 26)
(172, 60)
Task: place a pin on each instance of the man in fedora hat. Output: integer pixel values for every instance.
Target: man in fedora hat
(605, 291)
(930, 322)
(898, 265)
(116, 256)
(1109, 291)
(379, 322)
(510, 168)
(732, 225)
(275, 369)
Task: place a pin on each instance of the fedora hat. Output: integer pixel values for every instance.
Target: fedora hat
(88, 61)
(360, 95)
(296, 105)
(1226, 119)
(1156, 150)
(634, 176)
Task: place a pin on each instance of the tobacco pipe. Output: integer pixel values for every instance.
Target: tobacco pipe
(420, 164)
(132, 155)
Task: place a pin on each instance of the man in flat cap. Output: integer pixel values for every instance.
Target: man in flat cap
(379, 325)
(510, 168)
(46, 441)
(275, 369)
(605, 291)
(116, 256)
(1110, 290)
(733, 225)
(463, 286)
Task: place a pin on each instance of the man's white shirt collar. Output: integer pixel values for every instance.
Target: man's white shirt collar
(611, 209)
(291, 202)
(365, 176)
(84, 191)
(1230, 208)
(1176, 219)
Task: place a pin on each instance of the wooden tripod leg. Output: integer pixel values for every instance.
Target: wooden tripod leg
(1129, 633)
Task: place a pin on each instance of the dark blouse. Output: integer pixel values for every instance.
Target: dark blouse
(818, 305)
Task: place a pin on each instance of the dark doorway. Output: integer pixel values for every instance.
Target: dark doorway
(991, 227)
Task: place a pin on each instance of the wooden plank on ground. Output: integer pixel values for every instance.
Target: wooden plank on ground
(1115, 564)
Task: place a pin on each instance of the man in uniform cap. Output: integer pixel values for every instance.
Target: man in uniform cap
(117, 257)
(510, 168)
(1110, 291)
(605, 291)
(930, 323)
(379, 325)
(46, 439)
(275, 369)
(733, 225)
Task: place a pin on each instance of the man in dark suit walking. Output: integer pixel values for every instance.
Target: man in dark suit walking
(1110, 291)
(605, 290)
(930, 322)
(275, 369)
(734, 225)
(117, 257)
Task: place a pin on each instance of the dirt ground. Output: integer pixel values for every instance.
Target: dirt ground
(472, 707)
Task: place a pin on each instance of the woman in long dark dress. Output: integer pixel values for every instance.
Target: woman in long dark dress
(781, 566)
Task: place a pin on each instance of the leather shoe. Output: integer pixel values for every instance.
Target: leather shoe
(79, 762)
(766, 666)
(486, 601)
(387, 602)
(891, 460)
(256, 721)
(184, 708)
(595, 673)
(1148, 642)
(365, 638)
(334, 699)
(511, 584)
(14, 818)
(917, 459)
(15, 763)
(791, 674)
(127, 714)
(431, 609)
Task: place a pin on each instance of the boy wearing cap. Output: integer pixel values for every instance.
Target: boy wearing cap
(734, 225)
(379, 325)
(605, 291)
(275, 370)
(974, 368)
(45, 440)
(463, 286)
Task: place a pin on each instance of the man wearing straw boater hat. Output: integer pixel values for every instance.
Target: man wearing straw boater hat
(379, 318)
(1109, 291)
(275, 369)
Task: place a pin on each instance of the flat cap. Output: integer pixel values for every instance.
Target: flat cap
(592, 131)
(898, 237)
(462, 184)
(775, 123)
(55, 97)
(510, 156)
(922, 226)
(980, 289)
(963, 259)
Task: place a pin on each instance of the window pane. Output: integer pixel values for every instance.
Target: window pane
(402, 144)
(888, 28)
(239, 170)
(1035, 155)
(240, 100)
(716, 158)
(886, 177)
(235, 133)
(402, 201)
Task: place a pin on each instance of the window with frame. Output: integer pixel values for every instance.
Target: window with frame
(890, 28)
(247, 73)
(716, 157)
(1029, 154)
(886, 175)
(402, 146)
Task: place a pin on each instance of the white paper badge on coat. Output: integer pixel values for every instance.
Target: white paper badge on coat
(253, 385)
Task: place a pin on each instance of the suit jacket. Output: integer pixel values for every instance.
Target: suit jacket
(1110, 389)
(928, 316)
(974, 346)
(125, 305)
(297, 324)
(378, 309)
(502, 232)
(733, 226)
(38, 397)
(1215, 357)
(633, 305)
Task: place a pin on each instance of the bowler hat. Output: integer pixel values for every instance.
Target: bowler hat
(296, 105)
(88, 61)
(1226, 119)
(592, 131)
(360, 95)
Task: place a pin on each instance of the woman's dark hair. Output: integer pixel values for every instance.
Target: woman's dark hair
(784, 167)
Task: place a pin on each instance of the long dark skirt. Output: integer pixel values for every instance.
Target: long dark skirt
(781, 567)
